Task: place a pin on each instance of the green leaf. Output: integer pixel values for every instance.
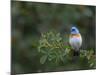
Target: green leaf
(43, 59)
(43, 51)
(91, 65)
(67, 51)
(61, 57)
(51, 57)
(39, 49)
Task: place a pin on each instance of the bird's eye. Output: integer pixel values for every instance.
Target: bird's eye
(73, 29)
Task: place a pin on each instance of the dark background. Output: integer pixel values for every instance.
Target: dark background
(30, 19)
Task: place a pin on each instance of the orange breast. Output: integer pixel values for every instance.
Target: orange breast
(75, 35)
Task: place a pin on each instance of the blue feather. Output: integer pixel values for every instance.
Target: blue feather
(74, 30)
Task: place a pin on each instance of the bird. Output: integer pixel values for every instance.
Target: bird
(75, 40)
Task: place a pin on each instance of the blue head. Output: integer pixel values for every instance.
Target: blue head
(74, 30)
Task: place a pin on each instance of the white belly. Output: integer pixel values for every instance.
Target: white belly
(75, 43)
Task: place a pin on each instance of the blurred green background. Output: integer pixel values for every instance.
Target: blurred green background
(30, 19)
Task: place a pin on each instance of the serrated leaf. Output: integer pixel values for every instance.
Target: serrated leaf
(43, 59)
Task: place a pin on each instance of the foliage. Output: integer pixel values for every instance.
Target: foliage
(90, 56)
(52, 48)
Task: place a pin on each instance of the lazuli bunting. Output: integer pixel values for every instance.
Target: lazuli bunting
(75, 40)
